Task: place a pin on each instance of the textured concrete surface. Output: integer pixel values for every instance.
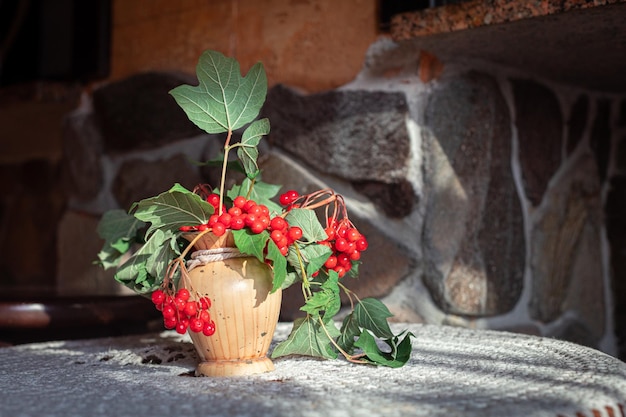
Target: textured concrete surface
(453, 371)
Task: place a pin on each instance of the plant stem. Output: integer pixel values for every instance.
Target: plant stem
(224, 165)
(349, 358)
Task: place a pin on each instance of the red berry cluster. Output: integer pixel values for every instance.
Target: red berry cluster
(344, 239)
(247, 213)
(181, 313)
(346, 243)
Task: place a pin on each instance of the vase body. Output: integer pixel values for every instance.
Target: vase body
(244, 310)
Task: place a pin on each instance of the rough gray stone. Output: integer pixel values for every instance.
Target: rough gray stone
(473, 227)
(384, 264)
(564, 230)
(82, 149)
(539, 125)
(357, 135)
(138, 113)
(396, 200)
(138, 179)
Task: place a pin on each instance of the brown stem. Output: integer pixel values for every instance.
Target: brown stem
(349, 358)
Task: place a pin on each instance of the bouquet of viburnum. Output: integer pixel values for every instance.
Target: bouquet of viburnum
(306, 240)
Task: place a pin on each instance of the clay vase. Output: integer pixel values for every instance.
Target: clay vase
(244, 310)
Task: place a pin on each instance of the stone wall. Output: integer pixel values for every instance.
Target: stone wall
(491, 199)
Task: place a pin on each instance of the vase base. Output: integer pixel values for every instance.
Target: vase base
(235, 367)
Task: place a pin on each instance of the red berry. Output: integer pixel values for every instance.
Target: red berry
(191, 308)
(158, 297)
(276, 235)
(331, 262)
(204, 316)
(295, 233)
(225, 219)
(185, 228)
(219, 229)
(203, 227)
(355, 256)
(168, 312)
(214, 218)
(330, 232)
(257, 227)
(256, 210)
(235, 211)
(288, 197)
(341, 244)
(278, 223)
(361, 244)
(264, 210)
(250, 218)
(284, 250)
(343, 259)
(209, 328)
(340, 270)
(237, 223)
(196, 325)
(170, 322)
(181, 327)
(179, 304)
(183, 294)
(240, 202)
(214, 200)
(353, 235)
(205, 303)
(246, 207)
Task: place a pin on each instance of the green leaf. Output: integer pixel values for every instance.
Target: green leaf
(119, 231)
(251, 243)
(372, 314)
(313, 256)
(307, 220)
(350, 330)
(172, 209)
(259, 191)
(118, 224)
(279, 265)
(247, 150)
(157, 252)
(399, 353)
(316, 255)
(291, 278)
(326, 299)
(223, 100)
(307, 338)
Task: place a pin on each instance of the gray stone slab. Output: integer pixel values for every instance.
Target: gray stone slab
(453, 371)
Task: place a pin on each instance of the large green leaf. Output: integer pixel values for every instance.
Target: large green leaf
(119, 231)
(308, 338)
(307, 220)
(247, 150)
(223, 100)
(399, 351)
(144, 270)
(279, 265)
(372, 314)
(172, 209)
(350, 330)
